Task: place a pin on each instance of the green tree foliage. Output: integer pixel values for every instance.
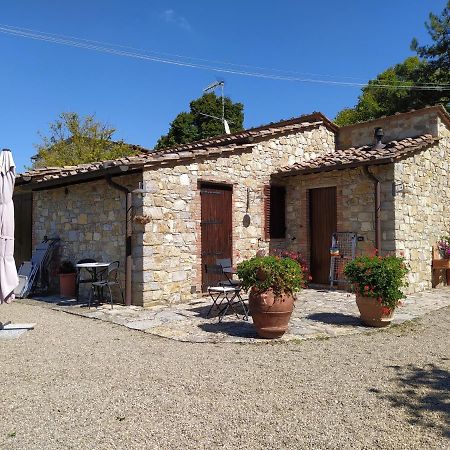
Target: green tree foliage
(73, 140)
(194, 125)
(431, 66)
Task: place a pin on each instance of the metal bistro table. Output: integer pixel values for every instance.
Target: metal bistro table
(93, 268)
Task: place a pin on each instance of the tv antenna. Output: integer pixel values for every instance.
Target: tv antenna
(211, 88)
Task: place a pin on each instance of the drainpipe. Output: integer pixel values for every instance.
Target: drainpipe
(128, 232)
(377, 186)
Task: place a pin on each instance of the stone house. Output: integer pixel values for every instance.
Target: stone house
(165, 214)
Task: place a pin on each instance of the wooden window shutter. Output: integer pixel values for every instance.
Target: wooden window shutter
(267, 212)
(277, 212)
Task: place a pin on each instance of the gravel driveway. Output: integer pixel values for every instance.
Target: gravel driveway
(77, 383)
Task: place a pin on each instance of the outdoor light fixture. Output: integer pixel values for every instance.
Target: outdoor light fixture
(26, 177)
(123, 167)
(140, 190)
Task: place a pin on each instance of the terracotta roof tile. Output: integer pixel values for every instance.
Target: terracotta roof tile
(213, 146)
(352, 157)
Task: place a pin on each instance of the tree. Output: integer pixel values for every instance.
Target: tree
(75, 140)
(431, 66)
(195, 125)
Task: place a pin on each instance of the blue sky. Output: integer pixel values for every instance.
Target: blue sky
(333, 39)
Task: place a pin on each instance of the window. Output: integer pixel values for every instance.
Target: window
(275, 212)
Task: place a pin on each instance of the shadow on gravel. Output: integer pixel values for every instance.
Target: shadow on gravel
(424, 393)
(335, 319)
(239, 328)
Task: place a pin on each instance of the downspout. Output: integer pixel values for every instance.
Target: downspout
(128, 232)
(377, 185)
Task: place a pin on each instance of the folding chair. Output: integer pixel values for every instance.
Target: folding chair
(112, 279)
(219, 294)
(31, 273)
(228, 281)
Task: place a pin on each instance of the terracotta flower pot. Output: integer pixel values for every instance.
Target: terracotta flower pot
(373, 313)
(270, 313)
(67, 284)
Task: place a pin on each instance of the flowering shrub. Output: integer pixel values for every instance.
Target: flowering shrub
(444, 246)
(379, 277)
(265, 272)
(296, 256)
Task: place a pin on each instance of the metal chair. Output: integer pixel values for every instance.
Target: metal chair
(111, 279)
(228, 293)
(228, 281)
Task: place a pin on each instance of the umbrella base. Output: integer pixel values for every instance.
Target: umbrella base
(3, 325)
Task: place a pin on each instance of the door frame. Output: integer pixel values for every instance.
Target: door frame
(310, 224)
(222, 185)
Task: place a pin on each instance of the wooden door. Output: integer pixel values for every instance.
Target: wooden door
(323, 223)
(216, 228)
(23, 207)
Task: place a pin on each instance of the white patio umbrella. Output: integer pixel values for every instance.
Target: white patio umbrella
(8, 273)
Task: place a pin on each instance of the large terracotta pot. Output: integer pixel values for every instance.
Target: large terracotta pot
(270, 313)
(372, 312)
(67, 284)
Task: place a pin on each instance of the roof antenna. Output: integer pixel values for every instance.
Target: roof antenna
(211, 88)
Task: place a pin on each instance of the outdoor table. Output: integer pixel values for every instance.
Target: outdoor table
(94, 266)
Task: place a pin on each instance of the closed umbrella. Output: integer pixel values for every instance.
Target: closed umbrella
(8, 273)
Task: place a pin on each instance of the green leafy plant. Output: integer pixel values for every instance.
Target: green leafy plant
(379, 277)
(67, 267)
(265, 272)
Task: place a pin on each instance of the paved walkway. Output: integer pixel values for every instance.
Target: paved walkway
(318, 314)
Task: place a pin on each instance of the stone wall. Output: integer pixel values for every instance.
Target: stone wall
(396, 127)
(422, 208)
(170, 247)
(89, 218)
(355, 207)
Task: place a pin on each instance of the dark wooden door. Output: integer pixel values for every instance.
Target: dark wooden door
(216, 228)
(23, 207)
(323, 222)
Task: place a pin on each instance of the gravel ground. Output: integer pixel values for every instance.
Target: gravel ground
(80, 383)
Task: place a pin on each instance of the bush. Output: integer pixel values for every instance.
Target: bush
(379, 277)
(265, 272)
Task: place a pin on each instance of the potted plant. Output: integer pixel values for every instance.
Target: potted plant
(377, 282)
(443, 247)
(272, 281)
(67, 279)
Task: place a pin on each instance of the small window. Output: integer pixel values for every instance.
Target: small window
(275, 212)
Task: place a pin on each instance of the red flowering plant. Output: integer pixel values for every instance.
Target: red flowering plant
(283, 275)
(444, 247)
(296, 256)
(379, 277)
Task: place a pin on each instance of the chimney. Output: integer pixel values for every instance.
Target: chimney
(378, 136)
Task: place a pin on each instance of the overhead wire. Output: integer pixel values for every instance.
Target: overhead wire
(249, 71)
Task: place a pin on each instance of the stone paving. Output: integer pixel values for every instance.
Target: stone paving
(317, 314)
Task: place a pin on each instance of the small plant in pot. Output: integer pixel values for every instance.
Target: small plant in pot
(67, 279)
(377, 282)
(272, 281)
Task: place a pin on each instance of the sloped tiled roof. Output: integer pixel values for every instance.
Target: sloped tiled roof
(215, 146)
(354, 157)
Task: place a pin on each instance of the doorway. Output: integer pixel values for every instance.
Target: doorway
(216, 228)
(323, 223)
